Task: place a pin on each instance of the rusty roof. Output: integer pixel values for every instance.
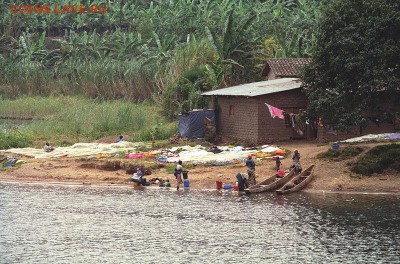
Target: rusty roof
(287, 67)
(258, 88)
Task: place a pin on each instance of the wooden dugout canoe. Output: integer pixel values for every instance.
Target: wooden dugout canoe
(270, 183)
(298, 182)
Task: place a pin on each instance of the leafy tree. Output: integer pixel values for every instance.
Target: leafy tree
(356, 58)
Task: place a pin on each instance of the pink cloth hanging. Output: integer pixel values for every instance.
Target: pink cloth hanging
(275, 111)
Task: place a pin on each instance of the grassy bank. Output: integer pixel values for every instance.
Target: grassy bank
(67, 120)
(378, 160)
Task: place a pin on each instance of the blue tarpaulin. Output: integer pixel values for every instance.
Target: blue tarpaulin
(191, 125)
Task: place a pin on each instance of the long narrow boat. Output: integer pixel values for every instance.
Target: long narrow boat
(270, 183)
(298, 182)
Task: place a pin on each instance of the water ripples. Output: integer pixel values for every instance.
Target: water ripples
(70, 224)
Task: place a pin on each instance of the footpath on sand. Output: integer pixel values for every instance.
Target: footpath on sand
(329, 176)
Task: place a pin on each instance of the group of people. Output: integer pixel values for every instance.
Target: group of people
(162, 183)
(249, 179)
(138, 177)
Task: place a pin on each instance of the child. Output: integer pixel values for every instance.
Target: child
(161, 183)
(167, 183)
(278, 163)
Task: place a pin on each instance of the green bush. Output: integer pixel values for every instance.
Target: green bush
(340, 154)
(14, 139)
(378, 160)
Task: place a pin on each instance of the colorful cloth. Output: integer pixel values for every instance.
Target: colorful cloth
(275, 111)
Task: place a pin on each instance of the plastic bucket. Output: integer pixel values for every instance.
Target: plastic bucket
(236, 188)
(185, 174)
(219, 185)
(228, 186)
(186, 183)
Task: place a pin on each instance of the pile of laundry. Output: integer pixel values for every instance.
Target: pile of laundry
(372, 138)
(9, 161)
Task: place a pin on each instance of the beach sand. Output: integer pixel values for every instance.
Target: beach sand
(329, 175)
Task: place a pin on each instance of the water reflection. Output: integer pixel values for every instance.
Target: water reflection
(71, 224)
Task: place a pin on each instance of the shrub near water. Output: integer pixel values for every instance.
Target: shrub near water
(14, 139)
(378, 159)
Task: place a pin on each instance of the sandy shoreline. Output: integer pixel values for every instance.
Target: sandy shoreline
(329, 176)
(155, 188)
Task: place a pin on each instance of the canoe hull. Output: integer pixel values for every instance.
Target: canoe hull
(298, 182)
(270, 184)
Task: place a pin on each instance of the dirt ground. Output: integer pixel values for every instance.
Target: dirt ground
(329, 175)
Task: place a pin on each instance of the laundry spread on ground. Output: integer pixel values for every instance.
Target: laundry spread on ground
(372, 138)
(217, 155)
(76, 150)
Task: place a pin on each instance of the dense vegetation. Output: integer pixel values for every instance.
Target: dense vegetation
(378, 160)
(356, 61)
(167, 51)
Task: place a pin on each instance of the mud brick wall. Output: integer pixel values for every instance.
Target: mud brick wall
(237, 118)
(248, 120)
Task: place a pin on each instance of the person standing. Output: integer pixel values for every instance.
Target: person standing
(178, 174)
(296, 161)
(251, 167)
(278, 163)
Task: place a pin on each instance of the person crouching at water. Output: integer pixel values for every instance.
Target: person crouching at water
(251, 167)
(137, 176)
(242, 180)
(178, 174)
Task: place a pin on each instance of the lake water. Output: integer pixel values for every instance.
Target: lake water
(88, 224)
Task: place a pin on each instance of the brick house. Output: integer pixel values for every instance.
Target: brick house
(284, 68)
(243, 116)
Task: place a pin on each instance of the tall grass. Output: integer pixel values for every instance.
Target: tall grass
(67, 120)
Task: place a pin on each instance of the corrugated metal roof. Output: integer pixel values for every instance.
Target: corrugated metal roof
(258, 88)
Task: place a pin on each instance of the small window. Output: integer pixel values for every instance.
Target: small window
(231, 110)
